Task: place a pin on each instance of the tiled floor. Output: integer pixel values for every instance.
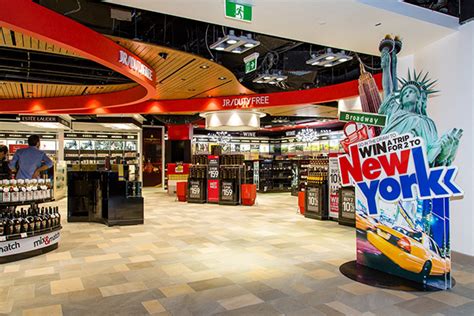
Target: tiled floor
(192, 259)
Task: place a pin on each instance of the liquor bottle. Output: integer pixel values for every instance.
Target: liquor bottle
(38, 219)
(2, 224)
(17, 223)
(7, 225)
(6, 191)
(44, 219)
(34, 189)
(58, 216)
(31, 220)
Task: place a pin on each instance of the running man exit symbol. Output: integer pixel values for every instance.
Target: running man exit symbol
(239, 11)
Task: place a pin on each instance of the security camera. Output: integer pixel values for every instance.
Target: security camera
(163, 55)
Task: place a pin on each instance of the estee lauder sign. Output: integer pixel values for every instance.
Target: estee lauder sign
(45, 119)
(135, 65)
(245, 102)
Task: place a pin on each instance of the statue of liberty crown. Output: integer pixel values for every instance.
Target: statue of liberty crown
(423, 85)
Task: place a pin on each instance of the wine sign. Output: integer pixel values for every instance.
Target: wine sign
(195, 189)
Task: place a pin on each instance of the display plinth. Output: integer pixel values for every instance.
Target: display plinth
(27, 245)
(377, 278)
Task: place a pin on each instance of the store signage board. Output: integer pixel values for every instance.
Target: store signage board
(100, 136)
(238, 10)
(227, 193)
(399, 196)
(213, 179)
(251, 62)
(194, 189)
(369, 119)
(45, 119)
(134, 64)
(348, 203)
(245, 102)
(313, 198)
(334, 183)
(17, 246)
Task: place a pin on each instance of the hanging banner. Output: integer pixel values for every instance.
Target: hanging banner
(334, 183)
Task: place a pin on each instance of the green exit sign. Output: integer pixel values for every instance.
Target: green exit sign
(238, 11)
(251, 62)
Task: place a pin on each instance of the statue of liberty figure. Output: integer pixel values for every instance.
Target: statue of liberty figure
(405, 108)
(421, 221)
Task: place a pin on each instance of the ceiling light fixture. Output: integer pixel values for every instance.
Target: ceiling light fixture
(204, 67)
(306, 135)
(222, 78)
(232, 120)
(328, 59)
(270, 78)
(235, 44)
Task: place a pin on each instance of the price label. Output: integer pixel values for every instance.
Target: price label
(195, 190)
(312, 195)
(348, 203)
(23, 235)
(227, 191)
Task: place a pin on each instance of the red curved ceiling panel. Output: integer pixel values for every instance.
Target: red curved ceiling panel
(36, 21)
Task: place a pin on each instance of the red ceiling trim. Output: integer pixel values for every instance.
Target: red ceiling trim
(255, 101)
(39, 22)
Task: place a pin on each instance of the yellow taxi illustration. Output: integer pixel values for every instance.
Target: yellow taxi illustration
(411, 250)
(365, 222)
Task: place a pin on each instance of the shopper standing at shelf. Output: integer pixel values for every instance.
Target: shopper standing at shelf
(5, 172)
(31, 161)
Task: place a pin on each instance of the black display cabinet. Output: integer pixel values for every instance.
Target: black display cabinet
(229, 184)
(347, 205)
(99, 196)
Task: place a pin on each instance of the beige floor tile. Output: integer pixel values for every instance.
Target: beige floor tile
(321, 274)
(176, 290)
(118, 289)
(11, 268)
(358, 288)
(98, 258)
(66, 286)
(175, 269)
(66, 255)
(51, 310)
(144, 258)
(301, 288)
(121, 268)
(239, 301)
(39, 271)
(103, 245)
(451, 299)
(153, 307)
(6, 306)
(26, 292)
(343, 308)
(401, 294)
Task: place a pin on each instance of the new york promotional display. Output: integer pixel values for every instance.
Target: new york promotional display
(403, 182)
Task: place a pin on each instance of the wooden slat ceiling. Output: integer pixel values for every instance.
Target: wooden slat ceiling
(185, 76)
(303, 110)
(9, 38)
(179, 76)
(19, 90)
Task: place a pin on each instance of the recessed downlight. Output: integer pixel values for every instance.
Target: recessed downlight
(231, 41)
(222, 78)
(204, 67)
(330, 58)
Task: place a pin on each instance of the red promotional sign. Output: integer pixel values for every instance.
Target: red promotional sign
(213, 191)
(213, 179)
(12, 148)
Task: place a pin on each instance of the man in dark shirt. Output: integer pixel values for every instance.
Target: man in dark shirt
(31, 161)
(4, 169)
